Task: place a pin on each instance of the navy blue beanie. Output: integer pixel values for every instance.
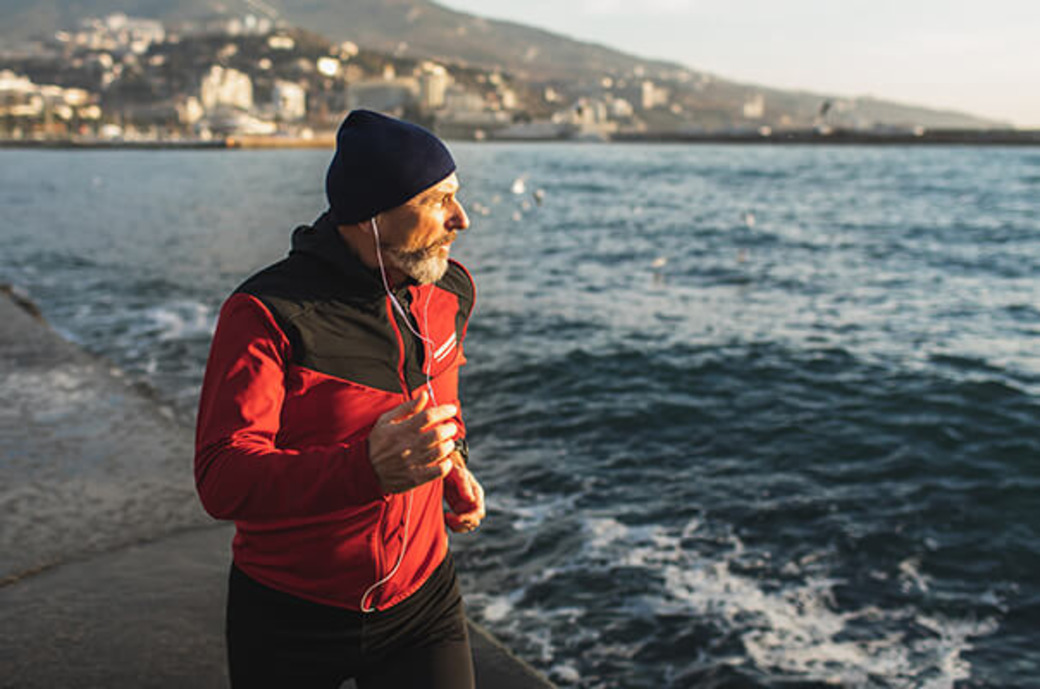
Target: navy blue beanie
(380, 163)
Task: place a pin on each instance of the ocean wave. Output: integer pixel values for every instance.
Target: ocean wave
(794, 630)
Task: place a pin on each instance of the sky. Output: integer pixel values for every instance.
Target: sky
(976, 56)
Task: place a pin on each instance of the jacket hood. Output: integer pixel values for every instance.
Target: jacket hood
(321, 241)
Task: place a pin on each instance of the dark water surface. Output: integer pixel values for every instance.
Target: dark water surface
(747, 416)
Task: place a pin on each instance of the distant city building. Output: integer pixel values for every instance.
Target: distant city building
(116, 32)
(42, 107)
(328, 66)
(353, 73)
(189, 110)
(470, 124)
(653, 96)
(225, 87)
(507, 98)
(222, 25)
(303, 65)
(458, 99)
(388, 96)
(289, 100)
(755, 107)
(256, 26)
(19, 97)
(584, 112)
(434, 81)
(237, 122)
(621, 109)
(280, 42)
(586, 118)
(228, 51)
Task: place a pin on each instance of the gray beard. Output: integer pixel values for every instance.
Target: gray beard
(422, 265)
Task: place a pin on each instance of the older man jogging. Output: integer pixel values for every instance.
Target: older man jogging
(330, 431)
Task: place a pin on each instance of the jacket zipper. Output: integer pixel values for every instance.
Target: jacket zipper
(381, 559)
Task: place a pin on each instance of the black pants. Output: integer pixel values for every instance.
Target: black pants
(278, 640)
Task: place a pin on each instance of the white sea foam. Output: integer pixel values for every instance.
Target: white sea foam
(531, 515)
(498, 608)
(794, 630)
(178, 319)
(797, 630)
(564, 672)
(910, 576)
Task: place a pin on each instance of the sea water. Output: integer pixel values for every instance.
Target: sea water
(746, 415)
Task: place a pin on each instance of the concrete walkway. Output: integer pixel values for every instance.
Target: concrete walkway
(110, 573)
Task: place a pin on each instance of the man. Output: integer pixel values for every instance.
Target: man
(329, 430)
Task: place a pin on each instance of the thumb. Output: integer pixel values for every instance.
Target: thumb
(407, 410)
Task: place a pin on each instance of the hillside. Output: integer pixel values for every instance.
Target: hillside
(423, 28)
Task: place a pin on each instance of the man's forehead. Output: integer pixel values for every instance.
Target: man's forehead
(448, 185)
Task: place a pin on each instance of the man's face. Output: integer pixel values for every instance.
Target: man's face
(417, 235)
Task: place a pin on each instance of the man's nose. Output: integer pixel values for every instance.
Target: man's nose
(459, 220)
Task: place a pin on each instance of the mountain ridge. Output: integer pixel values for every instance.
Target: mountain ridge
(422, 28)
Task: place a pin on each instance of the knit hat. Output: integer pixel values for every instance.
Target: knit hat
(380, 163)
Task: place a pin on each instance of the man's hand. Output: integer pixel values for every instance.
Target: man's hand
(411, 444)
(465, 498)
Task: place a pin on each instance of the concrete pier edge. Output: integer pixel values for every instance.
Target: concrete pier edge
(115, 579)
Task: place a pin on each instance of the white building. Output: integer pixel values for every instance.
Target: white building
(328, 66)
(20, 97)
(653, 96)
(508, 99)
(289, 100)
(189, 110)
(224, 87)
(434, 81)
(117, 32)
(281, 42)
(755, 107)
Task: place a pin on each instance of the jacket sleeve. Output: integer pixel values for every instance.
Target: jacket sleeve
(454, 479)
(240, 473)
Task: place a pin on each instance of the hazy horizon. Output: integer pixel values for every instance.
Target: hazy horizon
(979, 58)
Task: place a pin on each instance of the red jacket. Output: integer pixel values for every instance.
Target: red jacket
(306, 356)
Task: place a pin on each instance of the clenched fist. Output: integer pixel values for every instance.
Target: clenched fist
(465, 498)
(412, 444)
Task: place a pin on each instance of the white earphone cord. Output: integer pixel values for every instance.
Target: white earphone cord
(433, 398)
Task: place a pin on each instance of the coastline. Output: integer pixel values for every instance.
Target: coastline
(837, 137)
(111, 574)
